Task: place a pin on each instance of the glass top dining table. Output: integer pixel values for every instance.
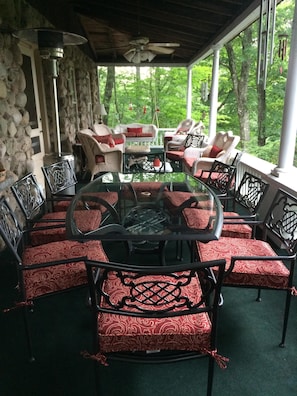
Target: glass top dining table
(147, 206)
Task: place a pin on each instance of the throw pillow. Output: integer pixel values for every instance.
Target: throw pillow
(215, 151)
(134, 131)
(118, 140)
(207, 151)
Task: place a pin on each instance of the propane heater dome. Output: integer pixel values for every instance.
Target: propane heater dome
(51, 44)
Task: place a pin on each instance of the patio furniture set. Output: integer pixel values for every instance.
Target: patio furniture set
(130, 148)
(165, 311)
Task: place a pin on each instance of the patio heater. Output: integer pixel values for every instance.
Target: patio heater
(51, 48)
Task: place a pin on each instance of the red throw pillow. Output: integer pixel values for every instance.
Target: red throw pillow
(135, 131)
(107, 139)
(214, 151)
(118, 140)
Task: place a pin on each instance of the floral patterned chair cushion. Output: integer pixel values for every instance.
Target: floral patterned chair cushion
(199, 218)
(86, 220)
(110, 197)
(267, 273)
(54, 278)
(127, 333)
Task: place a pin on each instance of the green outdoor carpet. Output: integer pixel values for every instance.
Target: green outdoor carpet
(249, 334)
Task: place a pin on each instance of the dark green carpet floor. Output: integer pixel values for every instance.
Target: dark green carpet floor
(249, 334)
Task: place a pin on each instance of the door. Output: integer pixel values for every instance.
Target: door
(33, 107)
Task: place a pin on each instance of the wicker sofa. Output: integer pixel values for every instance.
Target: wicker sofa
(137, 132)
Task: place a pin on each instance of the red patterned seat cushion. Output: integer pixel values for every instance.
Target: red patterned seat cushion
(173, 199)
(127, 333)
(199, 218)
(109, 196)
(55, 278)
(236, 230)
(203, 175)
(176, 155)
(268, 273)
(86, 220)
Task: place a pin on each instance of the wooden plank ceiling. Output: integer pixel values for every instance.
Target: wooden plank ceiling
(110, 25)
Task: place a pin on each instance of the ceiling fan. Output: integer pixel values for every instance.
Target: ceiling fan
(142, 50)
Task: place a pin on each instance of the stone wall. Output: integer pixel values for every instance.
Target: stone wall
(77, 73)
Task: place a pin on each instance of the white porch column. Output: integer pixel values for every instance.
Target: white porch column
(289, 125)
(189, 93)
(214, 93)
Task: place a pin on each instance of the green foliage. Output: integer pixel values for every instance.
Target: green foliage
(165, 89)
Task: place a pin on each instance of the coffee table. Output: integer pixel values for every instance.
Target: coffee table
(144, 159)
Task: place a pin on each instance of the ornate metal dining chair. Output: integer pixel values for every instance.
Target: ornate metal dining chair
(266, 263)
(60, 177)
(60, 181)
(246, 199)
(46, 269)
(48, 226)
(220, 181)
(203, 174)
(176, 153)
(155, 314)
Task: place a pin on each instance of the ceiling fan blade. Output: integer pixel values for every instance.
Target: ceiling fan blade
(160, 50)
(130, 51)
(175, 45)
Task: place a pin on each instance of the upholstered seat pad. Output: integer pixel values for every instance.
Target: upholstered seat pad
(51, 279)
(175, 155)
(199, 218)
(127, 333)
(268, 273)
(109, 196)
(174, 199)
(86, 220)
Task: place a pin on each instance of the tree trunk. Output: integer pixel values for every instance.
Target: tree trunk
(110, 78)
(240, 82)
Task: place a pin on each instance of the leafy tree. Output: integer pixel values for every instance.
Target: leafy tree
(133, 94)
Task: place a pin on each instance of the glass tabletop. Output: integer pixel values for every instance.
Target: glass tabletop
(147, 206)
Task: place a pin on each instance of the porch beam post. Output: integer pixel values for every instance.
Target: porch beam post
(214, 93)
(289, 124)
(189, 92)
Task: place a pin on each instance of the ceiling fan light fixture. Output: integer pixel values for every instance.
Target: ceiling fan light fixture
(147, 56)
(139, 56)
(129, 56)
